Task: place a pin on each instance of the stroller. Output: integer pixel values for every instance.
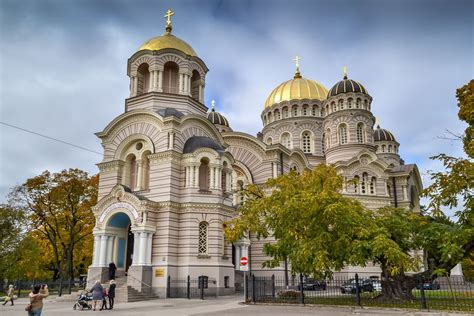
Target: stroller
(83, 301)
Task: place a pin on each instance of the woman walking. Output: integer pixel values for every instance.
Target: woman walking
(10, 293)
(111, 293)
(36, 300)
(97, 293)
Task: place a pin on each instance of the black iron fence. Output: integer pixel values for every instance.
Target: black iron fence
(445, 293)
(200, 287)
(57, 287)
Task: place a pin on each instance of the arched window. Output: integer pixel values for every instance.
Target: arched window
(270, 117)
(306, 142)
(327, 109)
(269, 141)
(195, 82)
(340, 103)
(349, 103)
(285, 112)
(277, 115)
(328, 138)
(383, 148)
(202, 242)
(343, 134)
(305, 110)
(395, 149)
(170, 77)
(333, 107)
(360, 133)
(356, 184)
(204, 174)
(377, 149)
(321, 113)
(322, 143)
(295, 110)
(131, 172)
(366, 106)
(265, 120)
(314, 110)
(358, 103)
(145, 171)
(389, 148)
(285, 140)
(143, 75)
(373, 183)
(363, 184)
(224, 177)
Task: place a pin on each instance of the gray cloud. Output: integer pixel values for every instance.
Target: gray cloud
(63, 66)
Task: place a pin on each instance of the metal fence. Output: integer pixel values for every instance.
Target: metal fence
(200, 287)
(59, 287)
(446, 293)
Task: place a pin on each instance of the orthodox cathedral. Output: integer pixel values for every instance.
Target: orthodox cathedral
(172, 168)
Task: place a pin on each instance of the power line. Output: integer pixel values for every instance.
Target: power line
(50, 138)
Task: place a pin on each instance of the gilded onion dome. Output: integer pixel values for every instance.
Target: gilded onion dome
(347, 85)
(298, 88)
(383, 135)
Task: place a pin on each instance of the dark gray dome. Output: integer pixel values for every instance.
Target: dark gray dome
(197, 142)
(381, 135)
(170, 112)
(217, 118)
(345, 86)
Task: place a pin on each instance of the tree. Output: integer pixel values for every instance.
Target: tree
(58, 207)
(12, 222)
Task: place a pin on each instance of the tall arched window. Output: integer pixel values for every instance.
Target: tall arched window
(360, 133)
(204, 174)
(358, 104)
(306, 142)
(285, 140)
(373, 183)
(270, 117)
(389, 148)
(363, 184)
(170, 77)
(131, 172)
(366, 105)
(343, 134)
(327, 110)
(349, 103)
(143, 75)
(285, 112)
(145, 171)
(328, 138)
(314, 110)
(295, 110)
(305, 110)
(269, 141)
(202, 242)
(356, 184)
(340, 103)
(383, 148)
(333, 107)
(224, 177)
(277, 115)
(195, 82)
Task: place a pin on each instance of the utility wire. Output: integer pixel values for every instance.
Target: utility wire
(50, 138)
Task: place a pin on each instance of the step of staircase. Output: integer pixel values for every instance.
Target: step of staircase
(125, 293)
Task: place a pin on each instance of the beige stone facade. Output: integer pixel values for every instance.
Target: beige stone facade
(172, 169)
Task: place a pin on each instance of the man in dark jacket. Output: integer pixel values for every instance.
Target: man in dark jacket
(112, 269)
(111, 293)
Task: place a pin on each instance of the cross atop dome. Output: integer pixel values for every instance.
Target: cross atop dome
(345, 72)
(168, 16)
(297, 61)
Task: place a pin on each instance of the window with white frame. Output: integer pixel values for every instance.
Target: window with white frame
(373, 183)
(363, 184)
(295, 110)
(306, 142)
(343, 134)
(341, 104)
(360, 133)
(286, 140)
(202, 245)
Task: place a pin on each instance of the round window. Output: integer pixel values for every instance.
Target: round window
(139, 146)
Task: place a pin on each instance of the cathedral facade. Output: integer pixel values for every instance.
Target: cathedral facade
(172, 169)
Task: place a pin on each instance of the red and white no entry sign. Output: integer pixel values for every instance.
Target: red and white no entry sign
(243, 261)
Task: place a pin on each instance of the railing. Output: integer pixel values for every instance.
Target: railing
(134, 279)
(189, 288)
(446, 293)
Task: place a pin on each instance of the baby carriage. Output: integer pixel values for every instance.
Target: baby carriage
(83, 301)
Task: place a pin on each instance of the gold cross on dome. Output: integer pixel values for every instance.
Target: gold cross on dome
(297, 61)
(345, 72)
(168, 16)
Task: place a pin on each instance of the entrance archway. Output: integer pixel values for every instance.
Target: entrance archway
(119, 226)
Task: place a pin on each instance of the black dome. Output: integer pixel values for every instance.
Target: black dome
(345, 86)
(197, 142)
(381, 135)
(217, 118)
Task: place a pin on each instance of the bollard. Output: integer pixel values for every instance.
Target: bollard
(273, 286)
(246, 289)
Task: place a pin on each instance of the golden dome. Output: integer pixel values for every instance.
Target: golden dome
(297, 88)
(168, 40)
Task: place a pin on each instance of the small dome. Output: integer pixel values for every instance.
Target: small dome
(196, 142)
(347, 85)
(381, 135)
(168, 40)
(297, 88)
(217, 118)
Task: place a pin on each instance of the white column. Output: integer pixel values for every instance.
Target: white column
(275, 170)
(142, 249)
(185, 84)
(95, 259)
(139, 175)
(149, 249)
(150, 81)
(238, 254)
(200, 93)
(160, 81)
(189, 85)
(196, 176)
(186, 179)
(180, 83)
(132, 86)
(219, 178)
(135, 86)
(110, 249)
(155, 82)
(103, 251)
(171, 140)
(213, 182)
(136, 240)
(228, 182)
(405, 195)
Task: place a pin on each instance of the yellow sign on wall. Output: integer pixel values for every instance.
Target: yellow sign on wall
(159, 272)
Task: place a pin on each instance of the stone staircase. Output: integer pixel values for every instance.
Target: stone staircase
(124, 293)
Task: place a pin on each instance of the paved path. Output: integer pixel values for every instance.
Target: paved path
(228, 306)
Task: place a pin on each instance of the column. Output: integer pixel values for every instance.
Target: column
(189, 85)
(142, 248)
(135, 85)
(405, 195)
(213, 182)
(228, 182)
(201, 98)
(219, 178)
(95, 259)
(171, 140)
(136, 240)
(103, 251)
(132, 86)
(155, 81)
(110, 249)
(149, 249)
(275, 169)
(139, 175)
(196, 176)
(160, 81)
(238, 255)
(185, 83)
(150, 81)
(200, 93)
(181, 83)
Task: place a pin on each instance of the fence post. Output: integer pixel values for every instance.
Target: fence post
(18, 286)
(168, 287)
(273, 286)
(423, 296)
(357, 290)
(246, 289)
(301, 289)
(188, 288)
(253, 289)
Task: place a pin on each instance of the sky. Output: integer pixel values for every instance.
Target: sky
(63, 67)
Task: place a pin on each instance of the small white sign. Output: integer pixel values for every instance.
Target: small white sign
(244, 268)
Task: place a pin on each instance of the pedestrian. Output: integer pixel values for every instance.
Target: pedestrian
(112, 269)
(111, 293)
(38, 293)
(9, 296)
(104, 300)
(97, 293)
